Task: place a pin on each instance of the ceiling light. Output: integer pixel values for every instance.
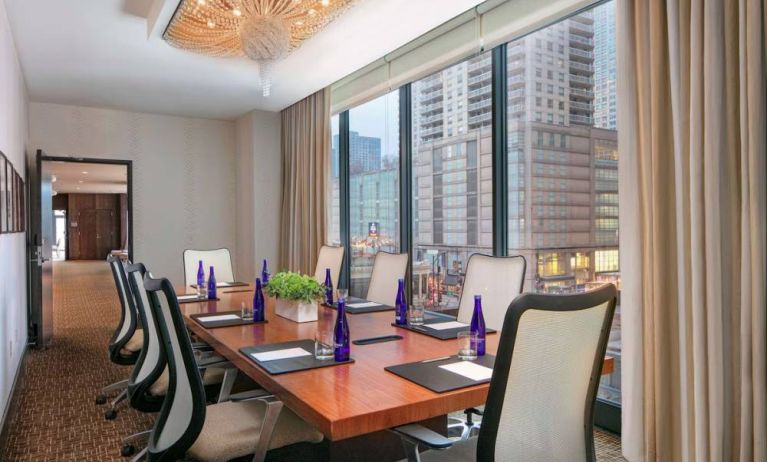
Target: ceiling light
(247, 29)
(77, 188)
(84, 172)
(53, 178)
(53, 193)
(80, 181)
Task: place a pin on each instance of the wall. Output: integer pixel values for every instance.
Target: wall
(259, 191)
(183, 174)
(13, 271)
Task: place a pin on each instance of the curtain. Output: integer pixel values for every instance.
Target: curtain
(692, 107)
(305, 166)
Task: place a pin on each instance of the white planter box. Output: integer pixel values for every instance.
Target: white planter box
(296, 310)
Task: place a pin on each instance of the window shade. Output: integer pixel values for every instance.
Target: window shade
(485, 26)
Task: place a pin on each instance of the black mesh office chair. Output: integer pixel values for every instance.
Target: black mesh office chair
(125, 343)
(541, 400)
(220, 431)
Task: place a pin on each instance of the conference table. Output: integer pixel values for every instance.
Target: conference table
(349, 401)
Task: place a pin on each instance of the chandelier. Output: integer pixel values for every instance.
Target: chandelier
(263, 30)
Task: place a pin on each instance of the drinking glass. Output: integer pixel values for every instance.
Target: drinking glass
(246, 311)
(415, 315)
(467, 345)
(323, 345)
(202, 290)
(341, 293)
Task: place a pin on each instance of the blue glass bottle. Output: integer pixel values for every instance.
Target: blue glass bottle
(478, 325)
(328, 288)
(200, 275)
(341, 348)
(265, 273)
(400, 308)
(212, 284)
(258, 302)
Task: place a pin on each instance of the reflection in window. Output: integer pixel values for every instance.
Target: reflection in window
(373, 185)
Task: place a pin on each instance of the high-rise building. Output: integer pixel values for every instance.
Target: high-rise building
(367, 153)
(605, 90)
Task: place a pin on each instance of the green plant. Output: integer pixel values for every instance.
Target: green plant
(294, 286)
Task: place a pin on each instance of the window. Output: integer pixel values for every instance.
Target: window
(452, 192)
(373, 185)
(573, 195)
(334, 220)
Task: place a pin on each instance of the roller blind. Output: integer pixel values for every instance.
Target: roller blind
(485, 26)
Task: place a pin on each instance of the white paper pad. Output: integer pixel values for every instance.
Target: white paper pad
(280, 354)
(221, 317)
(363, 305)
(469, 370)
(187, 297)
(222, 284)
(446, 325)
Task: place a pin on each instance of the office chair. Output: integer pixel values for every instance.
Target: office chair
(498, 280)
(220, 259)
(329, 257)
(223, 431)
(125, 343)
(387, 269)
(540, 405)
(148, 382)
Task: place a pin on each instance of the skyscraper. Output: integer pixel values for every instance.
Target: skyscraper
(605, 107)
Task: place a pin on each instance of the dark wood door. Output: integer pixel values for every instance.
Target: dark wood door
(105, 232)
(87, 233)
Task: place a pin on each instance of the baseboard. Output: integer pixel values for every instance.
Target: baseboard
(12, 405)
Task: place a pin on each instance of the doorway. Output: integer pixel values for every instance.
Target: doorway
(81, 210)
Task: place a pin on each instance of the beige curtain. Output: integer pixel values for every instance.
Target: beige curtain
(305, 166)
(691, 84)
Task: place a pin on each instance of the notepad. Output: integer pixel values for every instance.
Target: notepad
(363, 305)
(446, 325)
(469, 370)
(183, 298)
(221, 317)
(280, 354)
(222, 284)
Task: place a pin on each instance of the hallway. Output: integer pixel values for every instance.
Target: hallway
(56, 418)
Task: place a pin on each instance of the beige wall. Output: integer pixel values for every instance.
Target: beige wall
(13, 270)
(183, 174)
(259, 177)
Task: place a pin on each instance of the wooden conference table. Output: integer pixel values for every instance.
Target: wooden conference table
(348, 400)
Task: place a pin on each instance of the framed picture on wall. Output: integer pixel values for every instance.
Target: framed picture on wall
(22, 205)
(11, 198)
(19, 203)
(16, 196)
(3, 199)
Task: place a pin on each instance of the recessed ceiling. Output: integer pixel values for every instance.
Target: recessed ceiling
(109, 53)
(82, 178)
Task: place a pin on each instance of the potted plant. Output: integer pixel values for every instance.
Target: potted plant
(296, 294)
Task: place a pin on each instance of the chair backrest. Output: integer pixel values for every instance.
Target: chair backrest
(151, 362)
(220, 259)
(329, 257)
(387, 269)
(183, 410)
(128, 319)
(540, 405)
(498, 280)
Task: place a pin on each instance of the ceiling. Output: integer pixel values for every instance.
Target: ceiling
(82, 178)
(109, 53)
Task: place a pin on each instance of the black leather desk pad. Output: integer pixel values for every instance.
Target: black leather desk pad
(200, 319)
(368, 309)
(283, 366)
(445, 334)
(225, 285)
(193, 300)
(429, 375)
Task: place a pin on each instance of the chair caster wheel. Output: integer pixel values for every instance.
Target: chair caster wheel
(101, 399)
(127, 450)
(110, 414)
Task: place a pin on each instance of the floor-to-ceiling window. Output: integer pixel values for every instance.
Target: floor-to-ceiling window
(373, 185)
(334, 220)
(452, 177)
(563, 159)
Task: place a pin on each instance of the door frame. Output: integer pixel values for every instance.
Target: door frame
(90, 160)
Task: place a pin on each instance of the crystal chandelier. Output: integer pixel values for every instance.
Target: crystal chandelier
(263, 30)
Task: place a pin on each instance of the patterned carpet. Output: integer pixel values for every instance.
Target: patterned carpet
(57, 419)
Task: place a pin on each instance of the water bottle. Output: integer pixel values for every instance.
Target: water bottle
(258, 302)
(341, 334)
(265, 273)
(400, 312)
(212, 284)
(200, 281)
(328, 288)
(478, 325)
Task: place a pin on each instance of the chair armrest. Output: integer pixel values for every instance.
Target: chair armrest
(473, 410)
(419, 434)
(258, 393)
(213, 361)
(201, 346)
